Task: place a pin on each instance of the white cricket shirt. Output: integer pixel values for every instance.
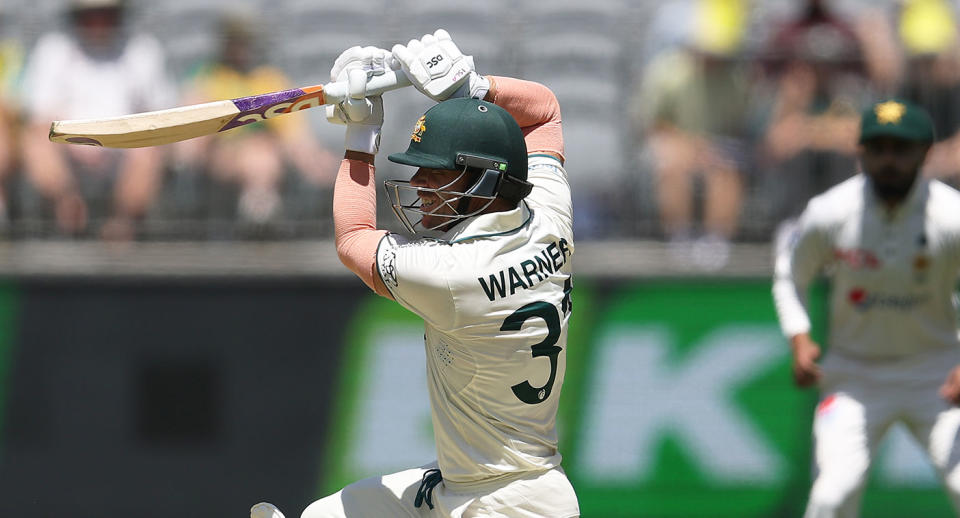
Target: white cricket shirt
(62, 81)
(893, 272)
(494, 294)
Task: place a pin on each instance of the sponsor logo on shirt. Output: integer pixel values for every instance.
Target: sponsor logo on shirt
(921, 262)
(863, 300)
(388, 268)
(857, 258)
(826, 404)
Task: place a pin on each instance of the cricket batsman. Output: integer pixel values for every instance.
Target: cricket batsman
(892, 241)
(490, 274)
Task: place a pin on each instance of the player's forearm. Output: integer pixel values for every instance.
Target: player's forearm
(800, 340)
(355, 219)
(536, 110)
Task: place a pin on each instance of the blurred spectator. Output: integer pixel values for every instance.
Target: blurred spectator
(694, 111)
(821, 82)
(95, 69)
(255, 157)
(928, 34)
(11, 62)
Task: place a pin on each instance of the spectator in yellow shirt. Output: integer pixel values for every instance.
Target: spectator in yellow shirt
(254, 157)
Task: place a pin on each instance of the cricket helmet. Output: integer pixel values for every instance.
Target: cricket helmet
(474, 137)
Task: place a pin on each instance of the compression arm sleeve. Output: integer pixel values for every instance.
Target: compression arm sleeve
(355, 222)
(536, 110)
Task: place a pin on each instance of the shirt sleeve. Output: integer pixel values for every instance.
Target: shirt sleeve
(551, 188)
(416, 273)
(537, 112)
(798, 260)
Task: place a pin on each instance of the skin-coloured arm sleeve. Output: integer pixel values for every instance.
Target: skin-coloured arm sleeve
(355, 222)
(536, 110)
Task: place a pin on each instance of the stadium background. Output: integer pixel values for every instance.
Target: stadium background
(209, 364)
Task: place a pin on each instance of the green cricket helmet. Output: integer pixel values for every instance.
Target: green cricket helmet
(474, 137)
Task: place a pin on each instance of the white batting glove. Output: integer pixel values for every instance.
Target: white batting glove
(372, 60)
(363, 115)
(265, 510)
(437, 68)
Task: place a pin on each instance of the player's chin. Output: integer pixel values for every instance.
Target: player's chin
(436, 220)
(432, 222)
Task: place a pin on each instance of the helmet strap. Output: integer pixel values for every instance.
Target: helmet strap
(463, 205)
(513, 189)
(493, 179)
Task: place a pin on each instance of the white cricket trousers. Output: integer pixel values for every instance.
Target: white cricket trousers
(852, 418)
(540, 495)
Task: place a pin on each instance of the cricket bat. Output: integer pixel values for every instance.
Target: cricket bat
(186, 122)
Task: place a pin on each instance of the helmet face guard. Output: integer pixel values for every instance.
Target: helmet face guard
(478, 139)
(407, 204)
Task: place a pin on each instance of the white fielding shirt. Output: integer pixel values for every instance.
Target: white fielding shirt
(494, 294)
(894, 274)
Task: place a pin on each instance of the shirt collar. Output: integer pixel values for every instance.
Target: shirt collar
(490, 224)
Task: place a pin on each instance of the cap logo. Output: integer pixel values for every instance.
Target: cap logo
(890, 112)
(419, 129)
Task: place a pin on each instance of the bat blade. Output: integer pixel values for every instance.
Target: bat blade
(186, 122)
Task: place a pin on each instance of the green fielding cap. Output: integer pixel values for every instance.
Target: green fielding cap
(896, 118)
(469, 126)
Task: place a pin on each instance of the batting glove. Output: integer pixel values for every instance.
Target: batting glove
(372, 60)
(363, 115)
(437, 68)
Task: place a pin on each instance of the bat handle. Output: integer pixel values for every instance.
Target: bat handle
(335, 92)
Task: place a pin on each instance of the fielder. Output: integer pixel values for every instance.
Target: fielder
(892, 240)
(492, 284)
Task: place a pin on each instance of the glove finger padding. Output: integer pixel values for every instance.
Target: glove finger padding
(355, 106)
(443, 39)
(351, 55)
(363, 115)
(415, 46)
(374, 61)
(434, 64)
